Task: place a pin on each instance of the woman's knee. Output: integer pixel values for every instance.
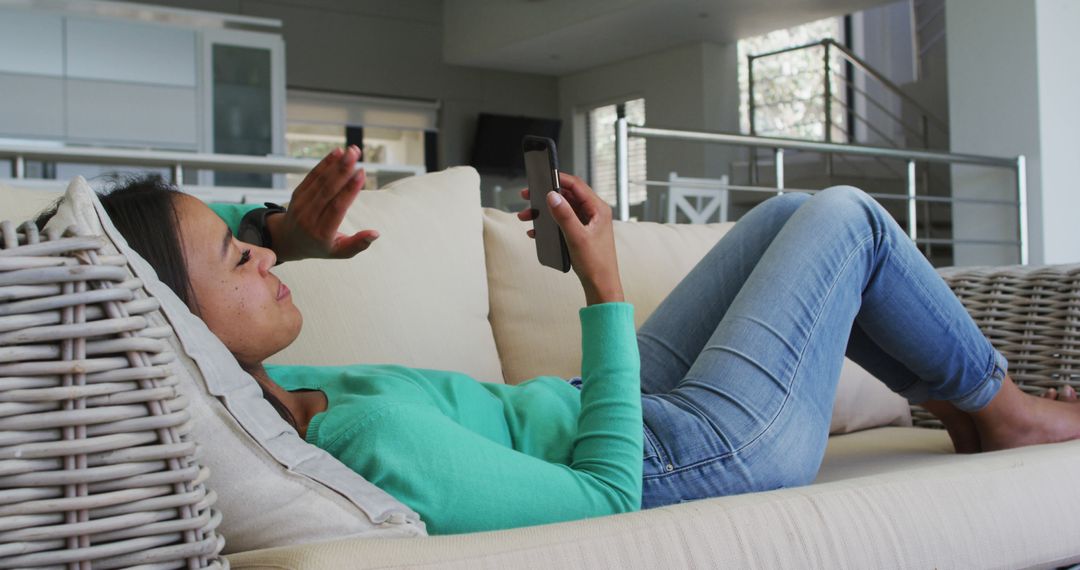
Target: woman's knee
(847, 197)
(843, 204)
(784, 205)
(845, 193)
(789, 200)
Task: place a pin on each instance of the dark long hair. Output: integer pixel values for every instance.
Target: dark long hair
(143, 209)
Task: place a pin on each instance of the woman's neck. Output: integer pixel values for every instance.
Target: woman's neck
(302, 405)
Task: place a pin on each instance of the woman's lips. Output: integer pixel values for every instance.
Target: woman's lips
(282, 292)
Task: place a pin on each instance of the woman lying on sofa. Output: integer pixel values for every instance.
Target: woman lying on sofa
(727, 388)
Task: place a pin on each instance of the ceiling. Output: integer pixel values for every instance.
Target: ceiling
(558, 37)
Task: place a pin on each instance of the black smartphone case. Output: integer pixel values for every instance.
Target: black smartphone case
(542, 171)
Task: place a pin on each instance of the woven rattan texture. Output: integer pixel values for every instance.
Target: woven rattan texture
(96, 467)
(1031, 314)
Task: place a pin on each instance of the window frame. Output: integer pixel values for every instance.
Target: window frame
(584, 120)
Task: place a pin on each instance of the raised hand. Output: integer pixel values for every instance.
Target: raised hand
(585, 220)
(309, 228)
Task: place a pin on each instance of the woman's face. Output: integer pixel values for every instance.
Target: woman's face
(242, 303)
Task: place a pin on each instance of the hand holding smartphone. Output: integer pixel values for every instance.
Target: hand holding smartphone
(542, 172)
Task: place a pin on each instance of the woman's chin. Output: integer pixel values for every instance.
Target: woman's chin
(297, 327)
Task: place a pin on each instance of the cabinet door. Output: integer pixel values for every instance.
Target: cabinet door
(130, 84)
(244, 101)
(130, 52)
(118, 113)
(31, 43)
(31, 75)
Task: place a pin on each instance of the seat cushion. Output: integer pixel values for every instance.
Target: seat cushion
(884, 450)
(894, 499)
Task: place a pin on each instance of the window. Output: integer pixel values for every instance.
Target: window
(600, 133)
(789, 88)
(392, 132)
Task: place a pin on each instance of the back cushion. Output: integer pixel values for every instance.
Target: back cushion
(534, 308)
(417, 297)
(19, 204)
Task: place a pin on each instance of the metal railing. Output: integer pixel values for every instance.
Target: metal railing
(624, 130)
(177, 162)
(926, 118)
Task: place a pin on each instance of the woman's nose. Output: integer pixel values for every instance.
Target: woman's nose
(267, 259)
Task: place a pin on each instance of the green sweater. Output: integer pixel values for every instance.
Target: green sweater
(471, 456)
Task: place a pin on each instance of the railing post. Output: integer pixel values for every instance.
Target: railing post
(778, 157)
(828, 106)
(911, 224)
(1021, 203)
(928, 225)
(752, 110)
(622, 169)
(750, 93)
(18, 167)
(913, 18)
(177, 171)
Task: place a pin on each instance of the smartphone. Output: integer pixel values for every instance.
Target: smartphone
(542, 171)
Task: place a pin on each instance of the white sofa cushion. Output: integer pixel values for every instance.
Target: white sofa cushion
(274, 488)
(900, 499)
(417, 297)
(19, 203)
(532, 307)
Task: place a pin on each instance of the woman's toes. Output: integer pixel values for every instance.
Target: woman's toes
(1068, 393)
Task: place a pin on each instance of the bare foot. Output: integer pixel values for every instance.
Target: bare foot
(1015, 419)
(958, 423)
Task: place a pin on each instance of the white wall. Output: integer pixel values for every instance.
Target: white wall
(394, 49)
(1013, 90)
(692, 87)
(881, 36)
(1057, 24)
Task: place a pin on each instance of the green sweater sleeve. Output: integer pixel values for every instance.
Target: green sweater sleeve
(460, 481)
(232, 213)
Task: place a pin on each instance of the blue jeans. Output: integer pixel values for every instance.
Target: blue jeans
(739, 364)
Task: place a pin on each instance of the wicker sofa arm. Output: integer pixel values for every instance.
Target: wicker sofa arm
(97, 466)
(1031, 314)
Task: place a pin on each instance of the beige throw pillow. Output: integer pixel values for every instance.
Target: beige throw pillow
(274, 489)
(417, 297)
(533, 308)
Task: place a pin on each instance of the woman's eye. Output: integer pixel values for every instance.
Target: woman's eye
(244, 257)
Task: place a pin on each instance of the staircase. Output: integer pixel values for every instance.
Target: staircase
(855, 103)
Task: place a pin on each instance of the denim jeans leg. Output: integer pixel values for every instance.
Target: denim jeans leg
(752, 412)
(672, 337)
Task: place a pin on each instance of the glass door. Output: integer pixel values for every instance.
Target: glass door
(243, 102)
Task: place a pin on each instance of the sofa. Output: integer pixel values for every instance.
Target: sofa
(451, 285)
